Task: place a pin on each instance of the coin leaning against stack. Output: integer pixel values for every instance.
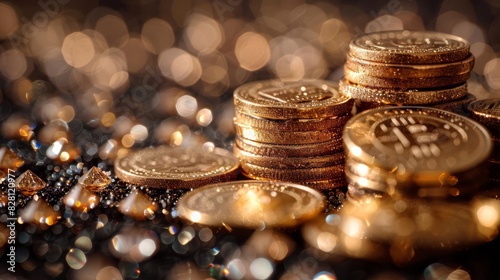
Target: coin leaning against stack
(291, 131)
(408, 68)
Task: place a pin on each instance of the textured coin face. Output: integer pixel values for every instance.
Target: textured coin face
(417, 139)
(487, 108)
(417, 47)
(176, 167)
(250, 204)
(287, 100)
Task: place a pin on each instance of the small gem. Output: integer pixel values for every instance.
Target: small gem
(95, 179)
(28, 183)
(9, 160)
(81, 199)
(39, 212)
(138, 206)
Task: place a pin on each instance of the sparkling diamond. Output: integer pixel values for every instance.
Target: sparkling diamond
(138, 206)
(28, 183)
(39, 212)
(81, 199)
(9, 160)
(95, 179)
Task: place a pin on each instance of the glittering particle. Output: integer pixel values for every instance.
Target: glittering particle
(109, 272)
(75, 258)
(29, 183)
(81, 199)
(9, 160)
(84, 243)
(40, 213)
(261, 268)
(138, 206)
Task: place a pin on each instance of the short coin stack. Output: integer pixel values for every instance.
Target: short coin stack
(417, 152)
(397, 158)
(487, 112)
(408, 68)
(291, 131)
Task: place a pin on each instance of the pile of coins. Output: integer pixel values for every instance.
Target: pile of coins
(291, 131)
(487, 112)
(408, 68)
(412, 173)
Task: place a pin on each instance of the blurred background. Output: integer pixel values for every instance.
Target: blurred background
(106, 76)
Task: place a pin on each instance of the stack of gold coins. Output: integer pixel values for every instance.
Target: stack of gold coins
(408, 68)
(415, 152)
(487, 112)
(291, 131)
(406, 166)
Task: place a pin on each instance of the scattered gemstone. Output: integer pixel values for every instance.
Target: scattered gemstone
(28, 183)
(138, 206)
(39, 212)
(81, 199)
(9, 160)
(95, 179)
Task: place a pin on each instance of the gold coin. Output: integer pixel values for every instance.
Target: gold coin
(386, 70)
(435, 225)
(251, 204)
(416, 185)
(404, 82)
(293, 175)
(487, 112)
(286, 137)
(458, 106)
(324, 184)
(292, 124)
(289, 162)
(326, 234)
(275, 99)
(361, 196)
(409, 47)
(402, 97)
(419, 140)
(360, 182)
(299, 150)
(177, 167)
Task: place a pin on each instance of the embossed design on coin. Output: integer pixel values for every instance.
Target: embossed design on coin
(251, 204)
(176, 167)
(284, 100)
(417, 139)
(416, 47)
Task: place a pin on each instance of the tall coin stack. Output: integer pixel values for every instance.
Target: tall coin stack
(291, 131)
(487, 112)
(408, 68)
